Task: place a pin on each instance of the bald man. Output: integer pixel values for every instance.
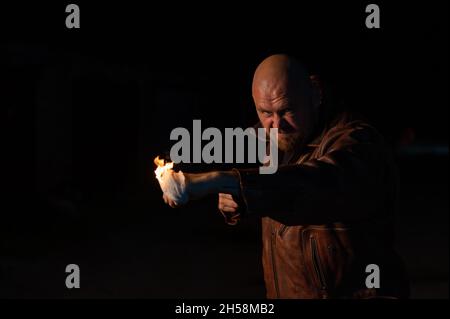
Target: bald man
(327, 213)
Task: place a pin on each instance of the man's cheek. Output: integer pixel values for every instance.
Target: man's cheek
(265, 122)
(282, 140)
(294, 125)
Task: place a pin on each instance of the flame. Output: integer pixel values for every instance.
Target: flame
(162, 167)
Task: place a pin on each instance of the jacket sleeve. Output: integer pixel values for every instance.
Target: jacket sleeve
(347, 183)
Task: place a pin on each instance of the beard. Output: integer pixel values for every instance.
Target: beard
(287, 142)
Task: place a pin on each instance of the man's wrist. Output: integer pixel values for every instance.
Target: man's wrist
(229, 183)
(199, 185)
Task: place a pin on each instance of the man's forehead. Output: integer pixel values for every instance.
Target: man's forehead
(270, 85)
(274, 98)
(272, 104)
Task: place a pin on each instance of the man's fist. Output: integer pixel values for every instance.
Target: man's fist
(227, 203)
(229, 208)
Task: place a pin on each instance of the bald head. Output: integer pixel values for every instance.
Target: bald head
(282, 92)
(280, 74)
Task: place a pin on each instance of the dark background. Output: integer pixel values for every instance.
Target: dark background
(86, 111)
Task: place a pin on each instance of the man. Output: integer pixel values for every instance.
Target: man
(327, 212)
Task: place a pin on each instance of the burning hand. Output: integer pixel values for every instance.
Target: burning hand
(173, 184)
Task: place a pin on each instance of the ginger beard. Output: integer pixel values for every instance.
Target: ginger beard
(287, 141)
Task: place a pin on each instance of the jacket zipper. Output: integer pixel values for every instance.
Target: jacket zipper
(317, 265)
(274, 268)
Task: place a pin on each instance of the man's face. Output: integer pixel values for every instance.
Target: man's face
(288, 111)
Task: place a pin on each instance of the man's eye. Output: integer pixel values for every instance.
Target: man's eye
(266, 114)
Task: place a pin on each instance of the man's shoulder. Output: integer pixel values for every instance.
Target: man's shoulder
(351, 126)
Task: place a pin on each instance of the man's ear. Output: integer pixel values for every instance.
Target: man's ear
(317, 91)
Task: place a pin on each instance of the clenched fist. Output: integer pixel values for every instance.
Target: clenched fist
(229, 208)
(227, 203)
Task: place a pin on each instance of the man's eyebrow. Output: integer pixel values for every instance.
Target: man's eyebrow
(262, 109)
(287, 108)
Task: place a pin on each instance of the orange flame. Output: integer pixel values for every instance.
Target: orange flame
(162, 167)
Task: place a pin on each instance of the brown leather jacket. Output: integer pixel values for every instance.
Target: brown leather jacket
(328, 214)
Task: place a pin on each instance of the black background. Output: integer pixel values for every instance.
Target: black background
(86, 110)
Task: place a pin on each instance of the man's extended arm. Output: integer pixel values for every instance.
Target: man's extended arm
(346, 183)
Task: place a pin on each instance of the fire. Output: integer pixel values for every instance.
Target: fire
(162, 167)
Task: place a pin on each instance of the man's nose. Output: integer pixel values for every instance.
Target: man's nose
(276, 121)
(279, 123)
